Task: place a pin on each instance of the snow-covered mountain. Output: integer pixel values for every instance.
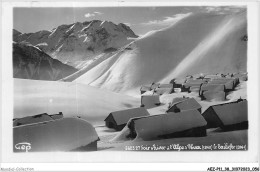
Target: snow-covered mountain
(198, 43)
(77, 43)
(29, 62)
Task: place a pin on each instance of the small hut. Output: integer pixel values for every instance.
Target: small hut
(229, 83)
(32, 119)
(56, 116)
(150, 101)
(178, 82)
(184, 124)
(212, 87)
(143, 89)
(118, 119)
(213, 95)
(184, 105)
(228, 116)
(166, 86)
(161, 91)
(155, 85)
(67, 134)
(195, 89)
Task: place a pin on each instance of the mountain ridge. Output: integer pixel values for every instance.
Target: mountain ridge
(29, 62)
(199, 43)
(79, 42)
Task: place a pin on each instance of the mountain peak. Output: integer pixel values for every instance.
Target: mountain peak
(80, 41)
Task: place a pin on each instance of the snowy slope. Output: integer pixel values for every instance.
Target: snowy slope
(199, 43)
(29, 62)
(34, 97)
(78, 42)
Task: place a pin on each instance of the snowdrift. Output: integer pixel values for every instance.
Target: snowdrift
(199, 43)
(35, 97)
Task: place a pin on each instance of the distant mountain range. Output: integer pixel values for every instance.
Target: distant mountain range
(112, 57)
(29, 62)
(77, 43)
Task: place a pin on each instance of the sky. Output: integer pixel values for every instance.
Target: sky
(140, 19)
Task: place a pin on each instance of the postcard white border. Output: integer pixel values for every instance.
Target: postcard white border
(252, 155)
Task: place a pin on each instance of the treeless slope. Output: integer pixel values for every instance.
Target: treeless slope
(203, 42)
(29, 62)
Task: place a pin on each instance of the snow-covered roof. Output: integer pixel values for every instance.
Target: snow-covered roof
(195, 81)
(229, 83)
(152, 127)
(56, 116)
(122, 117)
(163, 90)
(145, 88)
(212, 87)
(155, 85)
(232, 113)
(214, 95)
(60, 135)
(178, 99)
(32, 119)
(166, 86)
(212, 76)
(187, 85)
(150, 101)
(180, 80)
(186, 104)
(195, 88)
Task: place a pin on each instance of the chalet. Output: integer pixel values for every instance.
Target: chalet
(228, 116)
(56, 116)
(184, 124)
(179, 99)
(66, 134)
(143, 89)
(221, 75)
(149, 101)
(198, 76)
(178, 82)
(184, 105)
(241, 77)
(166, 86)
(187, 86)
(155, 85)
(161, 91)
(212, 87)
(195, 81)
(212, 76)
(195, 89)
(213, 95)
(118, 119)
(195, 84)
(229, 83)
(32, 119)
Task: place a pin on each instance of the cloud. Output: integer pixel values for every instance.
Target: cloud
(87, 15)
(224, 9)
(98, 13)
(167, 20)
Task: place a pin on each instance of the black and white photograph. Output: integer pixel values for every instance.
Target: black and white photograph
(145, 79)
